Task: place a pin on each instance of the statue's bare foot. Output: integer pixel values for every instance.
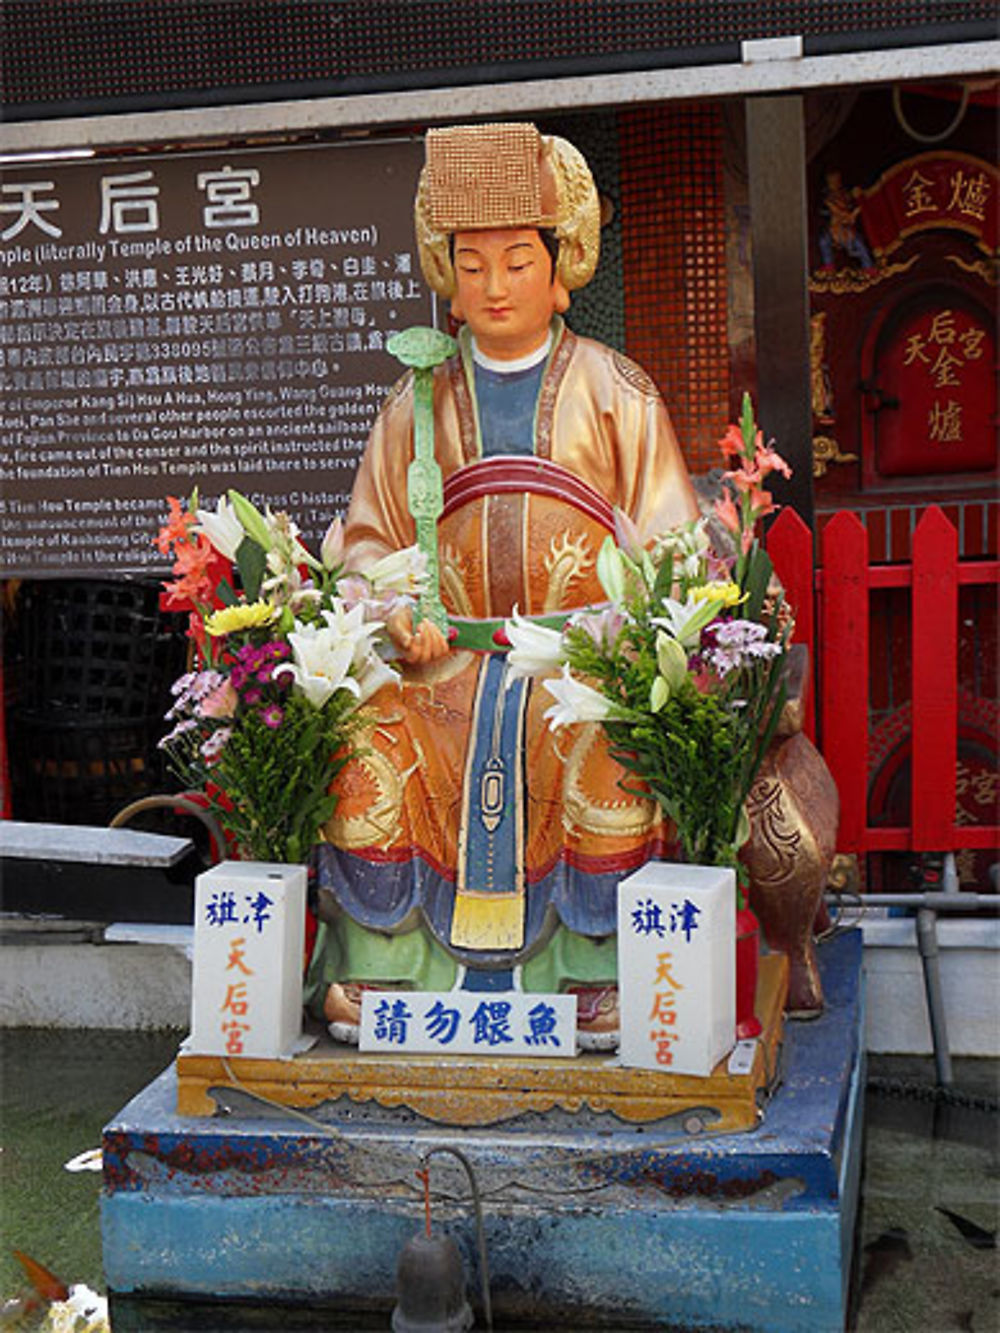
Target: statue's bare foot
(342, 1011)
(597, 1017)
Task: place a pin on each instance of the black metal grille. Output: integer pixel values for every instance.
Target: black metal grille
(97, 658)
(65, 57)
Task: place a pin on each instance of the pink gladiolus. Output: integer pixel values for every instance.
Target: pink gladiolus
(732, 443)
(744, 478)
(762, 502)
(727, 513)
(768, 460)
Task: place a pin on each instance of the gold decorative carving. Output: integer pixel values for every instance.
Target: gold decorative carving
(849, 281)
(453, 581)
(826, 450)
(779, 839)
(378, 825)
(627, 817)
(987, 269)
(819, 378)
(568, 560)
(845, 875)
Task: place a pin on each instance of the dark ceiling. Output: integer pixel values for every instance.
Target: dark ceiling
(80, 57)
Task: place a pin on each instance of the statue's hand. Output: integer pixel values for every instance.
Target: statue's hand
(417, 646)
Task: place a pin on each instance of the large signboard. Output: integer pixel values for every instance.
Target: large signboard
(216, 320)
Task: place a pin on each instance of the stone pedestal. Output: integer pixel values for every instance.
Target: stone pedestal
(591, 1219)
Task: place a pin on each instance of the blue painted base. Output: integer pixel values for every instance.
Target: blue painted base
(589, 1221)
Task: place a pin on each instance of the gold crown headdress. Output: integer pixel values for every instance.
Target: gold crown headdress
(479, 177)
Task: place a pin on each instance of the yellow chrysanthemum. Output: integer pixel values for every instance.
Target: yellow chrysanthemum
(246, 616)
(725, 592)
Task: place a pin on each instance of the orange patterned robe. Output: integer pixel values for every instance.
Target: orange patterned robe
(516, 531)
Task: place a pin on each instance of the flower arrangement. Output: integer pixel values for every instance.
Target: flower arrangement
(287, 649)
(683, 665)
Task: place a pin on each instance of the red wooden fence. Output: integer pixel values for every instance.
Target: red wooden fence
(832, 609)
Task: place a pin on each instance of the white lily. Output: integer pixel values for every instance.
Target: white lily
(400, 571)
(684, 621)
(352, 625)
(575, 701)
(659, 694)
(284, 549)
(253, 521)
(322, 663)
(372, 674)
(535, 649)
(671, 661)
(223, 529)
(611, 570)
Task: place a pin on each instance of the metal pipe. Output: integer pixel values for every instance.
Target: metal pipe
(939, 900)
(928, 944)
(928, 905)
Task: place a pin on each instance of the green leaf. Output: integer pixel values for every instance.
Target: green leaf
(225, 594)
(664, 581)
(253, 521)
(251, 561)
(756, 580)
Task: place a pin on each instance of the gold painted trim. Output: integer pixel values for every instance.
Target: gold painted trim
(488, 921)
(457, 1090)
(624, 818)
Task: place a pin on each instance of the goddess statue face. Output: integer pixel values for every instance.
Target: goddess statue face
(506, 290)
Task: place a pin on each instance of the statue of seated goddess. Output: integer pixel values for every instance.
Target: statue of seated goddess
(471, 846)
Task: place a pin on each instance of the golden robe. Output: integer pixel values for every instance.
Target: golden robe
(519, 531)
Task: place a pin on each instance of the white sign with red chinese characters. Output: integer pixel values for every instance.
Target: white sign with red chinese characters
(677, 967)
(468, 1022)
(249, 934)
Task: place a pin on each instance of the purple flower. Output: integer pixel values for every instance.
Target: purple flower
(731, 644)
(213, 747)
(185, 725)
(189, 690)
(253, 696)
(250, 657)
(272, 716)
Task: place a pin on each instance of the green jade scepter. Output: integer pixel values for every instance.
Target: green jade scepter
(422, 349)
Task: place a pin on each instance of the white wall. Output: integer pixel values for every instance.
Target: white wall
(141, 980)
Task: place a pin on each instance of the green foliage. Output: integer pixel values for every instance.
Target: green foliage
(270, 785)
